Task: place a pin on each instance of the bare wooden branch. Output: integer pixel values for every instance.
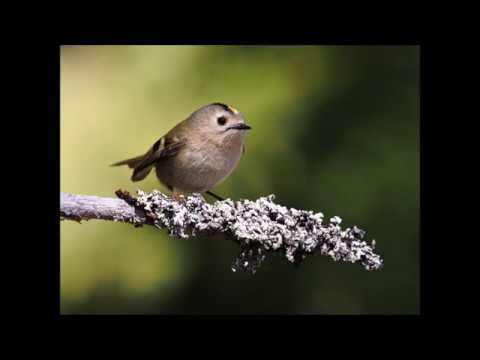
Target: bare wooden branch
(86, 207)
(259, 226)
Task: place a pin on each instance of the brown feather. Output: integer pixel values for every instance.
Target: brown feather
(132, 163)
(143, 164)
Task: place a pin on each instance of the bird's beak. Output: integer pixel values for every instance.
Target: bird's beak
(240, 126)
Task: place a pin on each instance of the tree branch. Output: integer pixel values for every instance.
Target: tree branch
(85, 207)
(259, 227)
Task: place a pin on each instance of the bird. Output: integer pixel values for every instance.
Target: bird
(197, 154)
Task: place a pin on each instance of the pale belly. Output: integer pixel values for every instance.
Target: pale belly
(193, 171)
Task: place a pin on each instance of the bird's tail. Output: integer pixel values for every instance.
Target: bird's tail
(139, 172)
(132, 163)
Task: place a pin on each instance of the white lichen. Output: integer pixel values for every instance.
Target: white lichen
(260, 227)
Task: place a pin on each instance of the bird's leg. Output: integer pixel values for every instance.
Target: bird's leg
(213, 195)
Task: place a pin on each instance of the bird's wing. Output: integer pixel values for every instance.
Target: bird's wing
(164, 147)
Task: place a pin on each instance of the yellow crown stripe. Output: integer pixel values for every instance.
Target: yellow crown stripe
(235, 111)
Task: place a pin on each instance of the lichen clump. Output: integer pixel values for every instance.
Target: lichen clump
(260, 227)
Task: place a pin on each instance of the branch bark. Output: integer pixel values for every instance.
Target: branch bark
(259, 227)
(86, 207)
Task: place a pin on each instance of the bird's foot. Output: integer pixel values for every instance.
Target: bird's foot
(178, 196)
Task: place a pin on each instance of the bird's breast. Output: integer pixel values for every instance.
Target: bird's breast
(211, 160)
(199, 168)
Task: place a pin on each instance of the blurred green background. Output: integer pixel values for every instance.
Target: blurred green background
(335, 129)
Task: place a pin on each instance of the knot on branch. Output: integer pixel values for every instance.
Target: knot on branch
(260, 227)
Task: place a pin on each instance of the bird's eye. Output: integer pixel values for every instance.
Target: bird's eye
(222, 120)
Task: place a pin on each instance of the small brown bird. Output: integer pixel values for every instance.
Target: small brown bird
(197, 154)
